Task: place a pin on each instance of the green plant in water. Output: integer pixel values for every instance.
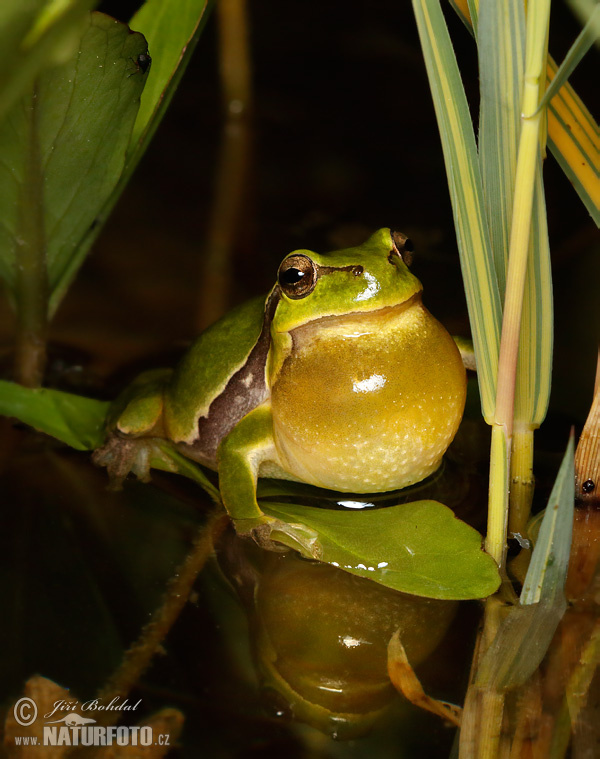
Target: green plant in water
(497, 197)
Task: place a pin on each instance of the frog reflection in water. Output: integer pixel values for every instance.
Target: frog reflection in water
(340, 378)
(319, 637)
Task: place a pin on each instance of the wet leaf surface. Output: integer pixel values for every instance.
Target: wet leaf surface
(419, 548)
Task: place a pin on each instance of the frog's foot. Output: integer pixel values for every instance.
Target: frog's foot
(275, 535)
(122, 455)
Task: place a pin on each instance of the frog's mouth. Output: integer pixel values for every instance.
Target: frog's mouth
(354, 323)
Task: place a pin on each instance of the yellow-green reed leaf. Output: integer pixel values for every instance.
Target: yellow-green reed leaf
(527, 161)
(466, 194)
(76, 421)
(461, 8)
(525, 634)
(545, 579)
(501, 49)
(589, 34)
(583, 10)
(573, 135)
(473, 6)
(574, 139)
(534, 364)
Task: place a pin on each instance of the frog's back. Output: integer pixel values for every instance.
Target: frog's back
(203, 373)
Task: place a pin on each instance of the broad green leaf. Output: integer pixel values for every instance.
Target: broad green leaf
(466, 194)
(419, 548)
(172, 29)
(77, 421)
(36, 34)
(62, 150)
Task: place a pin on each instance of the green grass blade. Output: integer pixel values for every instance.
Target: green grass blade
(545, 579)
(501, 49)
(534, 365)
(525, 634)
(573, 135)
(466, 193)
(589, 34)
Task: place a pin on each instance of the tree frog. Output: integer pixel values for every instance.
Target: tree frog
(340, 378)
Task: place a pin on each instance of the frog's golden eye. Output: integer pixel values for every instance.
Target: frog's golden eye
(403, 247)
(297, 276)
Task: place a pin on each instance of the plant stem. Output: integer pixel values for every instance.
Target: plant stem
(495, 542)
(522, 482)
(233, 164)
(139, 656)
(32, 275)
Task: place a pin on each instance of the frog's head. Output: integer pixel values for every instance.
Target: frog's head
(367, 278)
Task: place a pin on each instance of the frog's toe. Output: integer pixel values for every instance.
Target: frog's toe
(275, 535)
(121, 456)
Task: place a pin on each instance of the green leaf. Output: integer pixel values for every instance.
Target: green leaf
(501, 51)
(419, 548)
(589, 34)
(545, 579)
(172, 29)
(525, 634)
(466, 194)
(62, 148)
(77, 421)
(36, 34)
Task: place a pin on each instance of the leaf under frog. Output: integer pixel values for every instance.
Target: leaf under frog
(420, 548)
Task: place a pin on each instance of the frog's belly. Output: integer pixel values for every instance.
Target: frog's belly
(369, 403)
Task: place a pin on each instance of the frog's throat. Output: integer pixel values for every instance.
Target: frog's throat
(368, 318)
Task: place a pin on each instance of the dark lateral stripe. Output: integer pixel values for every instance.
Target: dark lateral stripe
(246, 390)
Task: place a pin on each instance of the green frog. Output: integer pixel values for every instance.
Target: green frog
(340, 378)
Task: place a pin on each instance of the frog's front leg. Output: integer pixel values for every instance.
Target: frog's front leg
(239, 459)
(135, 425)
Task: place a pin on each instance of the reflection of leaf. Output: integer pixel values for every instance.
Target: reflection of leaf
(34, 35)
(62, 150)
(77, 421)
(419, 548)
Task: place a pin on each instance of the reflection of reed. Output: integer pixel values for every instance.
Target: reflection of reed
(226, 219)
(137, 659)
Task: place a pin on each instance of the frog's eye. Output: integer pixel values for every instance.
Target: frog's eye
(297, 276)
(403, 247)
